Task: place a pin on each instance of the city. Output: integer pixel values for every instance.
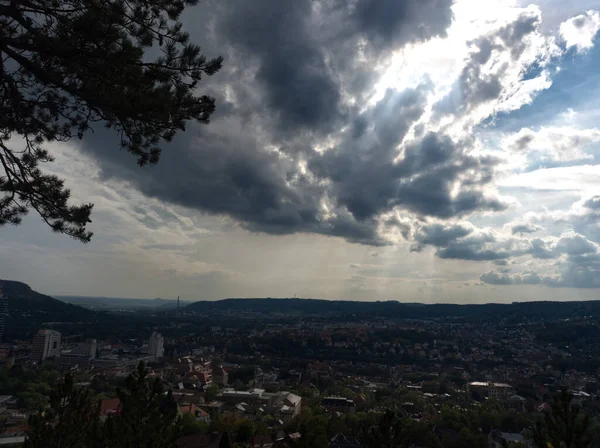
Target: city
(269, 379)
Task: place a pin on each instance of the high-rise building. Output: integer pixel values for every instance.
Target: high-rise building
(46, 344)
(156, 345)
(3, 313)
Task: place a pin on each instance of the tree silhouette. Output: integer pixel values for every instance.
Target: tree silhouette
(147, 418)
(68, 64)
(390, 432)
(567, 426)
(71, 420)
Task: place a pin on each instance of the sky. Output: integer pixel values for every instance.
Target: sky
(423, 151)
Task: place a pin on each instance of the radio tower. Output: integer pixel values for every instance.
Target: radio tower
(177, 311)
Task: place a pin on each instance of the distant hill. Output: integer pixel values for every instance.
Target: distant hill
(28, 309)
(21, 297)
(121, 303)
(398, 309)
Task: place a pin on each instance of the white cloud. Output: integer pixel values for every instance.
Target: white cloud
(561, 144)
(582, 179)
(580, 31)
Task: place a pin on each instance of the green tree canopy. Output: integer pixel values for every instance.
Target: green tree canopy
(147, 418)
(567, 426)
(68, 64)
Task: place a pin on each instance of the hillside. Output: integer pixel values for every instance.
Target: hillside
(397, 309)
(28, 309)
(21, 297)
(120, 303)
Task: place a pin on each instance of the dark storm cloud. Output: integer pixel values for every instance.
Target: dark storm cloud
(464, 242)
(233, 175)
(392, 23)
(298, 84)
(440, 234)
(280, 93)
(367, 178)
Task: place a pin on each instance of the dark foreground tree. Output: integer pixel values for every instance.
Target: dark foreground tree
(71, 420)
(567, 426)
(391, 431)
(147, 418)
(67, 64)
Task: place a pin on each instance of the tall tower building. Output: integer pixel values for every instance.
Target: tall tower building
(46, 344)
(156, 345)
(3, 313)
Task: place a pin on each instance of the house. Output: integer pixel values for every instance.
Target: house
(200, 414)
(110, 406)
(289, 441)
(499, 439)
(342, 441)
(249, 412)
(319, 369)
(220, 376)
(338, 404)
(286, 405)
(283, 405)
(489, 389)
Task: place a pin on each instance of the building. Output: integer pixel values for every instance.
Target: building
(86, 349)
(46, 344)
(489, 389)
(220, 376)
(499, 439)
(282, 405)
(156, 346)
(343, 441)
(199, 414)
(3, 313)
(338, 404)
(110, 406)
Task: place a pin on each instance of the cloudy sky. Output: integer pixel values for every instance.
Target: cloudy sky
(416, 150)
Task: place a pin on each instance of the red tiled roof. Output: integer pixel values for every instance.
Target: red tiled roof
(110, 406)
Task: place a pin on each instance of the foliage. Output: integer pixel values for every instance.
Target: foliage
(147, 417)
(31, 387)
(71, 420)
(567, 426)
(211, 393)
(66, 65)
(390, 432)
(189, 425)
(244, 430)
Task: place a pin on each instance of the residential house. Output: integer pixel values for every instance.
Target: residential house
(338, 404)
(200, 414)
(343, 441)
(499, 439)
(110, 406)
(489, 389)
(220, 376)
